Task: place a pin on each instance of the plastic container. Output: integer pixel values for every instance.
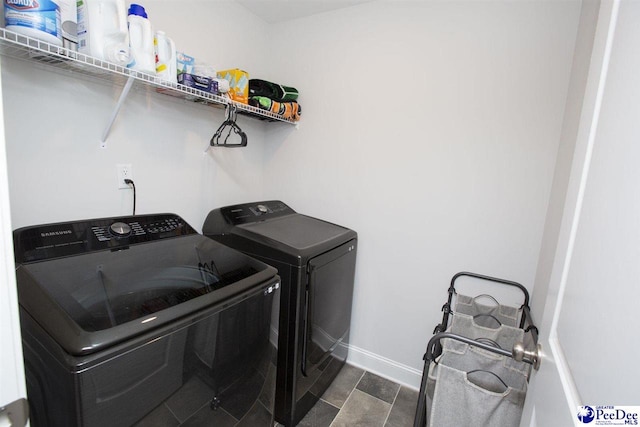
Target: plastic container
(204, 70)
(223, 85)
(185, 63)
(140, 40)
(69, 22)
(165, 49)
(40, 20)
(102, 30)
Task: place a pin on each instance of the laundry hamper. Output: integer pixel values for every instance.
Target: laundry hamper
(470, 375)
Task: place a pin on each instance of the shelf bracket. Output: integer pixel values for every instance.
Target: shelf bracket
(116, 110)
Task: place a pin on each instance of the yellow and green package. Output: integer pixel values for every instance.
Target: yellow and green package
(238, 84)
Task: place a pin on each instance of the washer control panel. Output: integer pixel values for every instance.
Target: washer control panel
(74, 238)
(120, 229)
(140, 229)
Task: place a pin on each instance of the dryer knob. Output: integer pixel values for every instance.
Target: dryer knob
(120, 229)
(262, 209)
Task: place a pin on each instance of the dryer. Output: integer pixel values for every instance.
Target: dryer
(315, 260)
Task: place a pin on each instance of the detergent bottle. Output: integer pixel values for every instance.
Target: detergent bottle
(140, 40)
(102, 30)
(165, 50)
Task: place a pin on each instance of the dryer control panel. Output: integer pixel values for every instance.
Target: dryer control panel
(255, 212)
(73, 238)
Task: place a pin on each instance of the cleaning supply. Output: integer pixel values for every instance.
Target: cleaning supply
(223, 85)
(69, 20)
(102, 30)
(238, 84)
(207, 71)
(40, 20)
(140, 40)
(165, 50)
(184, 63)
(204, 70)
(205, 84)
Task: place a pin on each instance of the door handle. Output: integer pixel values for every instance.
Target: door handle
(15, 414)
(305, 333)
(533, 356)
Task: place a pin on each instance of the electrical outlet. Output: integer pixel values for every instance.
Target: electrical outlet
(124, 172)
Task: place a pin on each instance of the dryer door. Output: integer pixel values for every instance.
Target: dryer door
(329, 296)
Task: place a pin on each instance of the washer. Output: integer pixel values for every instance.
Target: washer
(316, 262)
(140, 319)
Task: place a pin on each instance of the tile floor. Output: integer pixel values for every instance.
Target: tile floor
(360, 398)
(355, 398)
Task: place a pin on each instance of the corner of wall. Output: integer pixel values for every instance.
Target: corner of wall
(385, 367)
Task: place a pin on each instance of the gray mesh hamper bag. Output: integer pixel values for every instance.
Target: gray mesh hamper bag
(504, 336)
(485, 314)
(469, 386)
(480, 358)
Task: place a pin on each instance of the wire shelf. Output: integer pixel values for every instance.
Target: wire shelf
(21, 47)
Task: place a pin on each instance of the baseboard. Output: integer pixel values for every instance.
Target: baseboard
(384, 367)
(379, 365)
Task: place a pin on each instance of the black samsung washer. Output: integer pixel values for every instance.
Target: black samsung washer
(140, 319)
(316, 262)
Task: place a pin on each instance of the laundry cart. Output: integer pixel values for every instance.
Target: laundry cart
(478, 362)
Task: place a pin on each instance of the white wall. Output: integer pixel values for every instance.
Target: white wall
(570, 124)
(431, 128)
(604, 270)
(57, 170)
(12, 372)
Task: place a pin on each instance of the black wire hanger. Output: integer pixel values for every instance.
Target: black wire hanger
(229, 126)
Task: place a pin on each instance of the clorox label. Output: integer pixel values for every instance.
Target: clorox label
(22, 4)
(37, 15)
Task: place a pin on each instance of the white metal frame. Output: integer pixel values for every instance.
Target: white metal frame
(19, 46)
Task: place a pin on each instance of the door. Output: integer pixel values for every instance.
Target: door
(329, 299)
(588, 328)
(11, 365)
(325, 325)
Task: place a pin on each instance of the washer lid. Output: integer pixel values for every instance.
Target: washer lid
(297, 231)
(92, 301)
(273, 231)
